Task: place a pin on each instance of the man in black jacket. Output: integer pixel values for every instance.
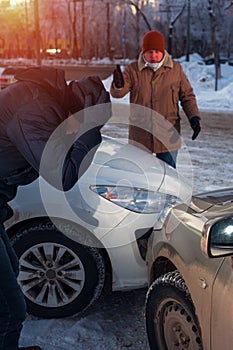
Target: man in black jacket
(31, 109)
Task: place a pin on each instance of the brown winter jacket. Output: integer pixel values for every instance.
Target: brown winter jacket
(159, 91)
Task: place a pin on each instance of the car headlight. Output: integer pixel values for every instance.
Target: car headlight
(134, 199)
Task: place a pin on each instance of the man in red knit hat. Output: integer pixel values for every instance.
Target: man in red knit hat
(158, 83)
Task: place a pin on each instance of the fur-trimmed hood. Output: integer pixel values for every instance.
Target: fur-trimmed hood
(167, 61)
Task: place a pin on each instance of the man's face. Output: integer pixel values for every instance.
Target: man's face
(153, 56)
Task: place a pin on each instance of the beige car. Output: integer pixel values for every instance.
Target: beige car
(190, 267)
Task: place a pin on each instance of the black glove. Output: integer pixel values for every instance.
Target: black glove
(195, 125)
(118, 79)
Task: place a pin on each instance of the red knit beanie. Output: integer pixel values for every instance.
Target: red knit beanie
(153, 40)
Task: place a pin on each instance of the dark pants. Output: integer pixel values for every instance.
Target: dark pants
(12, 303)
(168, 157)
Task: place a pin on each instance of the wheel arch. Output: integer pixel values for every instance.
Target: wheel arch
(161, 266)
(166, 259)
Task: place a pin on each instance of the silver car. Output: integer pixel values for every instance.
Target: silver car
(190, 259)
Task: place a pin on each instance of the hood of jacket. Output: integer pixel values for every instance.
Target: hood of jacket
(167, 61)
(88, 92)
(51, 79)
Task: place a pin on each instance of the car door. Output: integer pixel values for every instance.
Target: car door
(222, 307)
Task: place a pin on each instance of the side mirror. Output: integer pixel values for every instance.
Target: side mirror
(217, 237)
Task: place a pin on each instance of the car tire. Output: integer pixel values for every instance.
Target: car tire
(59, 277)
(171, 322)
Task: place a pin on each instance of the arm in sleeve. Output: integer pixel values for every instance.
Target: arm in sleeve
(80, 157)
(119, 93)
(187, 97)
(44, 144)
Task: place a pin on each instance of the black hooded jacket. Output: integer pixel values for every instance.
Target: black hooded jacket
(30, 110)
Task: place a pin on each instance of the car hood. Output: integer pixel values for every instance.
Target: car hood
(219, 200)
(119, 163)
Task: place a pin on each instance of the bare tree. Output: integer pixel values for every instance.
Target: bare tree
(131, 2)
(229, 9)
(171, 26)
(72, 13)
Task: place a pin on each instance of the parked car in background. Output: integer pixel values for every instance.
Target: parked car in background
(190, 259)
(72, 246)
(55, 53)
(8, 75)
(211, 60)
